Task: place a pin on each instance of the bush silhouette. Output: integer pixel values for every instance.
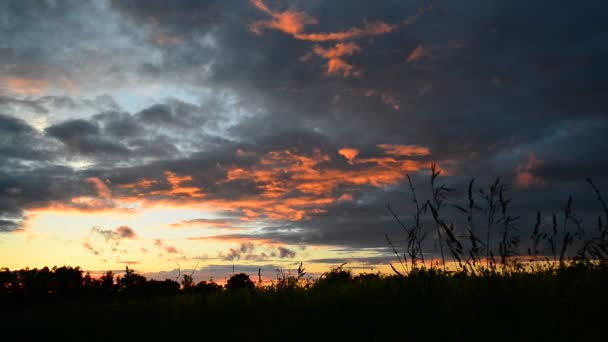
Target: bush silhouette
(239, 281)
(205, 287)
(336, 275)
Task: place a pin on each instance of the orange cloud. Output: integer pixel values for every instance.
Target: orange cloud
(335, 64)
(102, 190)
(369, 29)
(341, 49)
(345, 198)
(294, 186)
(23, 86)
(142, 183)
(418, 53)
(176, 187)
(293, 23)
(349, 153)
(278, 185)
(524, 178)
(405, 150)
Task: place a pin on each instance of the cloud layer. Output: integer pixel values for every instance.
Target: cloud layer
(301, 117)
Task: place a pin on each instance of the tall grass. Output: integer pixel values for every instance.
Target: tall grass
(501, 247)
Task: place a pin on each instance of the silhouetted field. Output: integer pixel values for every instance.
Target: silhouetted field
(553, 302)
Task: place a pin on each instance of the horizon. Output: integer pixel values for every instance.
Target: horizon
(261, 134)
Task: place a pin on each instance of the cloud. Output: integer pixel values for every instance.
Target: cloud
(250, 250)
(290, 22)
(335, 63)
(405, 150)
(122, 232)
(9, 225)
(492, 92)
(349, 153)
(21, 142)
(293, 23)
(22, 86)
(128, 262)
(525, 177)
(90, 248)
(206, 223)
(176, 186)
(102, 189)
(286, 253)
(84, 137)
(159, 243)
(418, 53)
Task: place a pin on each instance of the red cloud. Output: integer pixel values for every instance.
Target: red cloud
(405, 150)
(335, 63)
(524, 177)
(418, 53)
(349, 153)
(293, 23)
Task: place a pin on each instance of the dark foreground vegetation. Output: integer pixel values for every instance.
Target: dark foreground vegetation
(552, 301)
(555, 290)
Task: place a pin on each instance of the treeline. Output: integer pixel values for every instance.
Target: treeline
(36, 285)
(66, 282)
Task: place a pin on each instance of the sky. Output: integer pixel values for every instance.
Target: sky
(207, 135)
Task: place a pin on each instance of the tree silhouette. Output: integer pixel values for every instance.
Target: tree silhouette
(239, 281)
(131, 282)
(187, 282)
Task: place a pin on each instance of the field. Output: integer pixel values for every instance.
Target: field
(426, 304)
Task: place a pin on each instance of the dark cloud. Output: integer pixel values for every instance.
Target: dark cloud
(20, 142)
(175, 114)
(84, 137)
(119, 125)
(45, 187)
(286, 253)
(122, 232)
(8, 226)
(252, 252)
(90, 248)
(14, 126)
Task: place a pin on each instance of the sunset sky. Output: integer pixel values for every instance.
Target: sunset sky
(265, 133)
